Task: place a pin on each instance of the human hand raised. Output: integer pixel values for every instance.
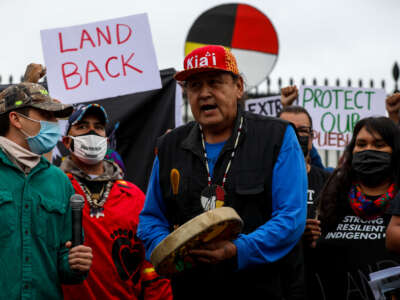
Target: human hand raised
(393, 107)
(288, 95)
(34, 72)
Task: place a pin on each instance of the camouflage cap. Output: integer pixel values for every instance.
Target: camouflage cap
(27, 94)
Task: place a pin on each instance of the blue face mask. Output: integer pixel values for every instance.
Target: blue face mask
(46, 139)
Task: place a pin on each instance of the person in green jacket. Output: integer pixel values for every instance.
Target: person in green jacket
(35, 215)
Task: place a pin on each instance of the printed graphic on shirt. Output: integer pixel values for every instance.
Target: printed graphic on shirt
(127, 253)
(344, 257)
(316, 181)
(355, 228)
(353, 285)
(311, 204)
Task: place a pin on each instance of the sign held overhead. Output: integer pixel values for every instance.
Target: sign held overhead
(100, 60)
(246, 31)
(336, 110)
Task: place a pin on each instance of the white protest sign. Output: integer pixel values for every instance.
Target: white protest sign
(336, 110)
(267, 106)
(100, 60)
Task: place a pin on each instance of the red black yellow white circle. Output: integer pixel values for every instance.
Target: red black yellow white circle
(246, 31)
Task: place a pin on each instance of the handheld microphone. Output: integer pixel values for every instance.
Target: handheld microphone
(77, 202)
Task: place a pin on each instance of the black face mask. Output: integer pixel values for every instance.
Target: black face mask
(372, 167)
(303, 141)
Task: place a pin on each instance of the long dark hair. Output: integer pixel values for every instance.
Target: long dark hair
(334, 194)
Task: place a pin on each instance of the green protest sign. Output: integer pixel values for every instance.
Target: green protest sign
(335, 111)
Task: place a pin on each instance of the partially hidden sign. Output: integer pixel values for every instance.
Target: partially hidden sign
(336, 110)
(267, 106)
(100, 60)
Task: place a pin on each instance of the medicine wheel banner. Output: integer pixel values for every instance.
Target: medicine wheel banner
(246, 31)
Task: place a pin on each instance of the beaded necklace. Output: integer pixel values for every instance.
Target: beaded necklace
(367, 208)
(97, 200)
(213, 195)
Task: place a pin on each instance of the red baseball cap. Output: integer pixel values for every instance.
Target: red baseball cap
(208, 58)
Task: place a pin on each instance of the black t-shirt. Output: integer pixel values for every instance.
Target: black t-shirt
(394, 208)
(293, 263)
(345, 256)
(316, 180)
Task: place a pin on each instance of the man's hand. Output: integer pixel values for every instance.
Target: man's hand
(312, 232)
(216, 252)
(80, 257)
(393, 107)
(288, 95)
(34, 72)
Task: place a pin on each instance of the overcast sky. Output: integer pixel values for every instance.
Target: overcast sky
(356, 39)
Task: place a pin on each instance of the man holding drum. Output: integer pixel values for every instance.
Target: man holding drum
(227, 157)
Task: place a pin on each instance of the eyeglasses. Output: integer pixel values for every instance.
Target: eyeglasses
(304, 130)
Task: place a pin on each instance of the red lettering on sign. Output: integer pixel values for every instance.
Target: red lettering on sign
(95, 69)
(126, 64)
(123, 33)
(118, 32)
(85, 36)
(108, 71)
(342, 141)
(107, 38)
(62, 50)
(332, 139)
(74, 72)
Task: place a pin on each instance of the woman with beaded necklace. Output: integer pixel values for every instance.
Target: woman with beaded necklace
(353, 213)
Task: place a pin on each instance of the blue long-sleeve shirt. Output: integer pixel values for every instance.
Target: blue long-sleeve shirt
(267, 243)
(316, 160)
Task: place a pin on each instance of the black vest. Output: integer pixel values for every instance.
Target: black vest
(248, 183)
(248, 191)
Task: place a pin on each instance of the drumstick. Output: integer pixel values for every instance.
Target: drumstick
(175, 177)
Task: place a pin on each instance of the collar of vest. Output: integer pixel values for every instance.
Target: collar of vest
(193, 140)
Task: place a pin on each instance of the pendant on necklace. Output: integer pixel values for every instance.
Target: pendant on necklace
(96, 212)
(95, 197)
(212, 196)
